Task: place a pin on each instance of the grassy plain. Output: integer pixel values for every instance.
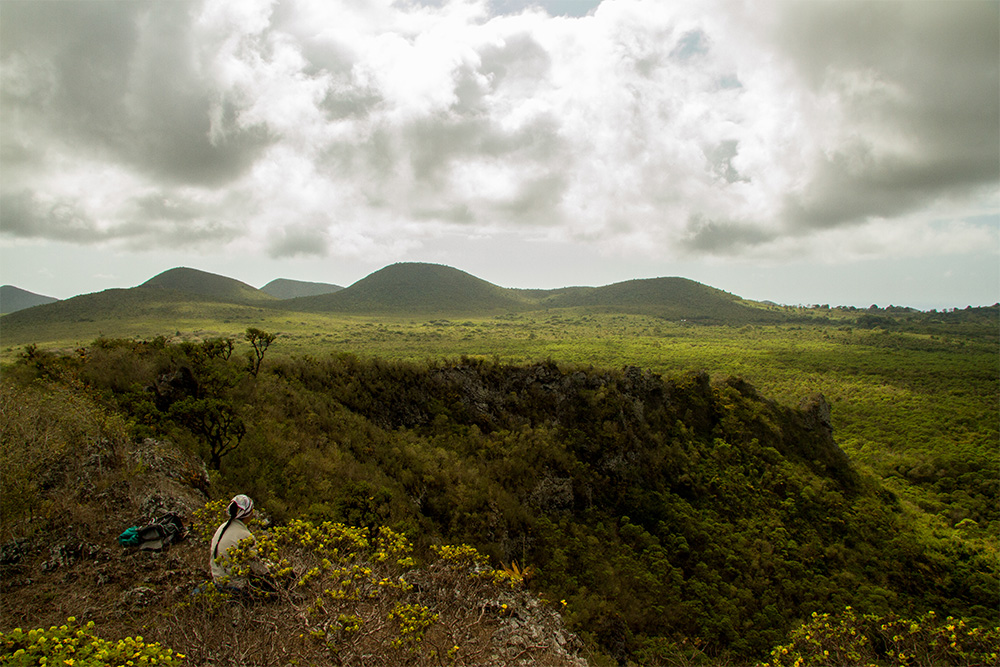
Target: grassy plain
(918, 409)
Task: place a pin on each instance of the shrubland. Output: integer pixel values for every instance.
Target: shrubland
(341, 595)
(675, 516)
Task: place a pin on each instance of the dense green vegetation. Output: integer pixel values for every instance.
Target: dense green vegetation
(656, 451)
(220, 288)
(675, 515)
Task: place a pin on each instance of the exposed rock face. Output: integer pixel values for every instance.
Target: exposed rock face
(73, 555)
(181, 482)
(817, 411)
(172, 386)
(816, 417)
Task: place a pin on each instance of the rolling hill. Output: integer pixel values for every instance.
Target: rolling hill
(415, 288)
(213, 286)
(284, 288)
(163, 303)
(137, 311)
(158, 306)
(13, 299)
(672, 298)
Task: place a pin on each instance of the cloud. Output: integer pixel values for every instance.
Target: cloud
(318, 127)
(913, 101)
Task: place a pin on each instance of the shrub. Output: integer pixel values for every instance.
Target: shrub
(69, 644)
(46, 429)
(340, 594)
(849, 639)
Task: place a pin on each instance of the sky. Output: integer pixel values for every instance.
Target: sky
(801, 152)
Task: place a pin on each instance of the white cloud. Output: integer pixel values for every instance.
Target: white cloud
(310, 127)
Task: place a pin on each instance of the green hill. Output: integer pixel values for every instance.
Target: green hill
(136, 312)
(415, 288)
(161, 305)
(13, 299)
(672, 298)
(216, 287)
(283, 288)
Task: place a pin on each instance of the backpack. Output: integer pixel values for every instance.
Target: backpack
(154, 536)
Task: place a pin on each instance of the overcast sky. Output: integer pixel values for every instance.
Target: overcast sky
(803, 152)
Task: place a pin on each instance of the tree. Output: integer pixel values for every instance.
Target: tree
(260, 340)
(216, 420)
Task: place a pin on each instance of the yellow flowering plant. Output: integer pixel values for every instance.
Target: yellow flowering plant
(342, 594)
(848, 639)
(70, 644)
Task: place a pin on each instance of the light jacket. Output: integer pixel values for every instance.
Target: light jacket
(237, 532)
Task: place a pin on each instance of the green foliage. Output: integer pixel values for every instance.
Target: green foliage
(414, 620)
(216, 420)
(678, 516)
(342, 595)
(46, 431)
(259, 340)
(848, 639)
(70, 644)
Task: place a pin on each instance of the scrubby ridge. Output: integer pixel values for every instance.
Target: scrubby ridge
(676, 517)
(344, 596)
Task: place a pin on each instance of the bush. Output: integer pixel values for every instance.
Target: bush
(347, 595)
(69, 644)
(45, 431)
(849, 639)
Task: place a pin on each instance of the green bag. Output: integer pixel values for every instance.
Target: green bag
(130, 537)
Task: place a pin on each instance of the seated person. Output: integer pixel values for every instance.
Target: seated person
(227, 536)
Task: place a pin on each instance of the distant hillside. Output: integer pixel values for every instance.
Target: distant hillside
(415, 287)
(211, 285)
(283, 288)
(13, 299)
(88, 315)
(675, 298)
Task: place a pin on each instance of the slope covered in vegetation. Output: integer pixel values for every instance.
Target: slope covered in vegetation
(202, 283)
(284, 288)
(414, 288)
(13, 299)
(671, 298)
(341, 595)
(675, 517)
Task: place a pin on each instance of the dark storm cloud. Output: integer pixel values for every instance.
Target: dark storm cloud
(158, 223)
(121, 81)
(919, 87)
(25, 217)
(722, 236)
(298, 240)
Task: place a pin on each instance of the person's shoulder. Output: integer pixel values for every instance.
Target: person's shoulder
(242, 528)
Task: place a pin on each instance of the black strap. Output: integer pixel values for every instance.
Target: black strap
(215, 554)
